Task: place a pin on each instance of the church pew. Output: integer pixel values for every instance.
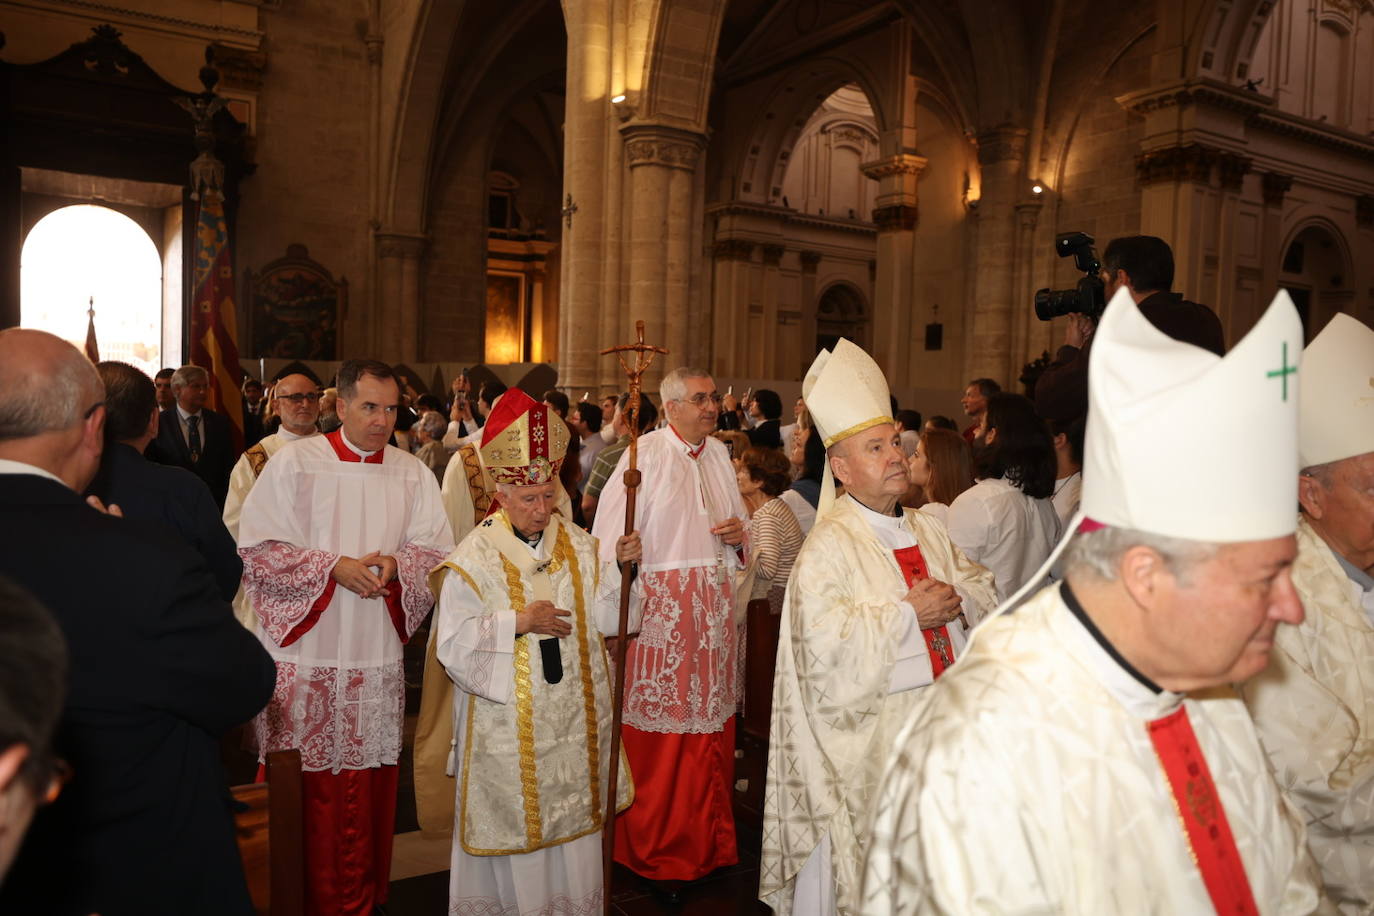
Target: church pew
(271, 837)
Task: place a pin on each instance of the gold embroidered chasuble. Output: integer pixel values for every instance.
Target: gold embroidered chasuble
(1314, 709)
(835, 719)
(534, 756)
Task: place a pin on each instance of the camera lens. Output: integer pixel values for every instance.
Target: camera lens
(1054, 303)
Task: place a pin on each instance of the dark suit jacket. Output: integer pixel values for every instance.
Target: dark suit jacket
(172, 497)
(217, 455)
(159, 670)
(767, 434)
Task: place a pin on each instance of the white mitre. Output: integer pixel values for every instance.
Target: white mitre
(1336, 409)
(1184, 443)
(845, 393)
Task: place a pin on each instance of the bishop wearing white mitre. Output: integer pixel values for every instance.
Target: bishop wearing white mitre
(1087, 754)
(1314, 705)
(523, 603)
(876, 609)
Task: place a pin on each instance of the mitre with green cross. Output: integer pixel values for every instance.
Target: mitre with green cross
(1184, 443)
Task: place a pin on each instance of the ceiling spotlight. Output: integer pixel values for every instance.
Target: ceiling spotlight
(617, 99)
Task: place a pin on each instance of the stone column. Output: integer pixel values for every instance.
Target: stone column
(662, 162)
(895, 213)
(988, 342)
(730, 288)
(1025, 344)
(764, 362)
(396, 326)
(810, 261)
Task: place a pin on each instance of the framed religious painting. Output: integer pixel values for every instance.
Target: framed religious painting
(295, 306)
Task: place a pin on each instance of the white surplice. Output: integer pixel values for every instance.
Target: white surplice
(340, 694)
(1314, 708)
(528, 814)
(1026, 782)
(246, 471)
(850, 665)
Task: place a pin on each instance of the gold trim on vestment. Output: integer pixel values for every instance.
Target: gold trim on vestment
(436, 577)
(855, 430)
(257, 458)
(477, 492)
(524, 712)
(563, 549)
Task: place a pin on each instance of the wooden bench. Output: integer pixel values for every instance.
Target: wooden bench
(271, 837)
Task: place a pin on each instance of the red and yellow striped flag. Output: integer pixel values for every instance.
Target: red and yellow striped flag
(214, 329)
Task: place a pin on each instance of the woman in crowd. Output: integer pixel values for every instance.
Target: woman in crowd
(1006, 520)
(808, 461)
(429, 435)
(763, 475)
(941, 469)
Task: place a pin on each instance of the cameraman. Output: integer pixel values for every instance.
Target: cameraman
(1144, 265)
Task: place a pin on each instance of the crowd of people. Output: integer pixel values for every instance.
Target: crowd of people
(1050, 662)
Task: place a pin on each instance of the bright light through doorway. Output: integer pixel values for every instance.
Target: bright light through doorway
(85, 251)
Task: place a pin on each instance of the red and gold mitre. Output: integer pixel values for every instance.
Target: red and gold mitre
(523, 441)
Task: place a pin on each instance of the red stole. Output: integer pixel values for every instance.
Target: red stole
(1204, 820)
(347, 454)
(913, 567)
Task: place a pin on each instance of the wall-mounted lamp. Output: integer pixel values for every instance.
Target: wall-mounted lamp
(617, 99)
(1037, 188)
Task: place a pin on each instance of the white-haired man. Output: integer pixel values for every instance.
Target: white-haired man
(296, 399)
(877, 608)
(192, 436)
(523, 602)
(1087, 754)
(1314, 706)
(683, 673)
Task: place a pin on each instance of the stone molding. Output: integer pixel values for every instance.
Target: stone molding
(656, 144)
(772, 255)
(895, 218)
(1364, 211)
(1192, 162)
(1275, 185)
(402, 245)
(733, 250)
(1185, 93)
(787, 215)
(810, 260)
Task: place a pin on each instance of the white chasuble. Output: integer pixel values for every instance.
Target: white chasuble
(340, 694)
(684, 671)
(533, 753)
(850, 659)
(1314, 709)
(1027, 781)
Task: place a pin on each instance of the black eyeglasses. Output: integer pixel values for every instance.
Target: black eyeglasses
(311, 396)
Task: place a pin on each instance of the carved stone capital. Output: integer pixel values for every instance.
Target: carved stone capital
(1190, 162)
(772, 255)
(896, 218)
(1232, 168)
(656, 144)
(810, 260)
(733, 250)
(1275, 185)
(900, 164)
(1364, 211)
(401, 245)
(1002, 143)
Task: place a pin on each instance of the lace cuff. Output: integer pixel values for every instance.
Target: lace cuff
(408, 608)
(285, 583)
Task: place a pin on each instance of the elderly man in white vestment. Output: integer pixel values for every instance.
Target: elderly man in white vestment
(523, 603)
(877, 608)
(296, 399)
(1314, 706)
(683, 672)
(469, 494)
(338, 538)
(1087, 754)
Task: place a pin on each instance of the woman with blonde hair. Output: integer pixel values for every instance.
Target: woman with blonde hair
(941, 468)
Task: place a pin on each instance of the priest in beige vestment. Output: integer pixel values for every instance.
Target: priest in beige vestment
(1087, 754)
(1314, 706)
(876, 609)
(523, 603)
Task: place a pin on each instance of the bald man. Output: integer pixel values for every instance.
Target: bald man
(159, 670)
(296, 399)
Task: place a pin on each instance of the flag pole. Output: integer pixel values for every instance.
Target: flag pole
(644, 355)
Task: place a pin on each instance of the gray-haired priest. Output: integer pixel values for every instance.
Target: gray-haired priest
(523, 603)
(1314, 706)
(876, 609)
(1087, 754)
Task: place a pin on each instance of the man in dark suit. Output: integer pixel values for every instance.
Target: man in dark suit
(159, 668)
(766, 408)
(193, 437)
(147, 491)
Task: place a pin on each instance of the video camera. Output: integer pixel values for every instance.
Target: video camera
(1086, 298)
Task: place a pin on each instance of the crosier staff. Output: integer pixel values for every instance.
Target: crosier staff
(644, 356)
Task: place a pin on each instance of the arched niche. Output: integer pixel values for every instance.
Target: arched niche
(841, 311)
(1316, 269)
